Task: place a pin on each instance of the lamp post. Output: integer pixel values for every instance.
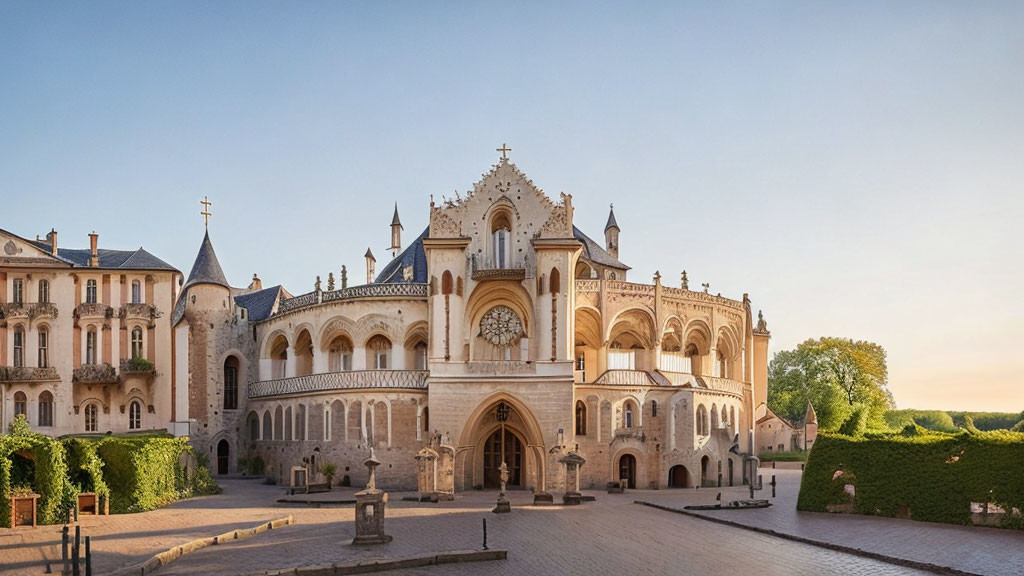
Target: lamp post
(501, 414)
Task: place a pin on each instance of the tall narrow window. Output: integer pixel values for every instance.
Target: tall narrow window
(136, 292)
(136, 342)
(90, 292)
(45, 408)
(380, 347)
(501, 242)
(20, 401)
(44, 348)
(135, 415)
(91, 418)
(581, 418)
(420, 356)
(18, 292)
(628, 415)
(90, 346)
(44, 291)
(231, 383)
(426, 419)
(19, 347)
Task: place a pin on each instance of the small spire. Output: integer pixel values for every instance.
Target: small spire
(369, 254)
(394, 219)
(685, 281)
(611, 218)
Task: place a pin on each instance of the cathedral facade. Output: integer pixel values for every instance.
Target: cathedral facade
(501, 333)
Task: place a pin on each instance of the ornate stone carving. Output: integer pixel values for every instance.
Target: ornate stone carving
(11, 248)
(501, 326)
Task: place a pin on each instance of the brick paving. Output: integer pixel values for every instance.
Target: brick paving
(609, 536)
(972, 549)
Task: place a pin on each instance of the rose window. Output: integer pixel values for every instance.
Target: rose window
(501, 326)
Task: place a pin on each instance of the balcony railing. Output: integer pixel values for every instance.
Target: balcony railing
(32, 311)
(93, 310)
(723, 384)
(137, 368)
(488, 269)
(19, 374)
(355, 292)
(412, 379)
(95, 374)
(625, 378)
(139, 310)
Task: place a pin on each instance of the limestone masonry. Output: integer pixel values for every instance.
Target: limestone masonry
(502, 300)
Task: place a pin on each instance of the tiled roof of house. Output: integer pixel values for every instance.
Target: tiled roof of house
(594, 252)
(260, 303)
(412, 256)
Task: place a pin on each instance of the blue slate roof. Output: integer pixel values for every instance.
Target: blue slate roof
(260, 303)
(412, 256)
(594, 252)
(117, 259)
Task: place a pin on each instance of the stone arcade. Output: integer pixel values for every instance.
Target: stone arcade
(500, 301)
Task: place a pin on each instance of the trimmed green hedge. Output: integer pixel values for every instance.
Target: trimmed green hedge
(782, 456)
(929, 476)
(136, 473)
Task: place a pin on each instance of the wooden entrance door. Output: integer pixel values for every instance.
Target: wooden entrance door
(627, 470)
(513, 457)
(223, 452)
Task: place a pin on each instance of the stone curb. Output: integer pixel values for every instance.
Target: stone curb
(819, 543)
(388, 564)
(172, 554)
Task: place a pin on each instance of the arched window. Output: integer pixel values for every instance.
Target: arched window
(702, 421)
(18, 291)
(339, 354)
(725, 416)
(268, 426)
(501, 242)
(44, 348)
(654, 408)
(420, 356)
(20, 401)
(231, 383)
(714, 417)
(90, 346)
(254, 426)
(91, 418)
(380, 349)
(19, 347)
(137, 342)
(426, 419)
(136, 292)
(581, 418)
(446, 282)
(44, 291)
(627, 414)
(732, 415)
(45, 408)
(327, 423)
(279, 357)
(135, 415)
(90, 292)
(555, 283)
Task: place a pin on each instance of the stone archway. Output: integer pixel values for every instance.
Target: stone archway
(523, 441)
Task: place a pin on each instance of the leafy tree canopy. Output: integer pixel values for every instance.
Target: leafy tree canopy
(835, 375)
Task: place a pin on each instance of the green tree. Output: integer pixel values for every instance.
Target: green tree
(835, 375)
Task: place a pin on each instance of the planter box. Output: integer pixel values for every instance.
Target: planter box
(23, 510)
(88, 503)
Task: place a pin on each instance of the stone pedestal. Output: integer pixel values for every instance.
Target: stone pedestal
(370, 505)
(572, 462)
(503, 505)
(370, 517)
(543, 498)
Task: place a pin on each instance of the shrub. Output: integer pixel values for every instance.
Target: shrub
(929, 475)
(783, 457)
(856, 423)
(35, 461)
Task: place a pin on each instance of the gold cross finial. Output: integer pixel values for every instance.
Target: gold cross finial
(504, 150)
(206, 211)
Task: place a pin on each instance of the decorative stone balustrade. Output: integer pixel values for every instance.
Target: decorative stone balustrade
(411, 379)
(592, 286)
(588, 286)
(353, 293)
(139, 310)
(95, 374)
(93, 310)
(137, 368)
(25, 374)
(625, 378)
(13, 310)
(723, 385)
(516, 274)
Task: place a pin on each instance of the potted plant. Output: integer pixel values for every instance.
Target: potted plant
(330, 472)
(23, 506)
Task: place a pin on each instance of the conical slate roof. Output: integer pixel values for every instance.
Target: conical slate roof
(206, 269)
(611, 219)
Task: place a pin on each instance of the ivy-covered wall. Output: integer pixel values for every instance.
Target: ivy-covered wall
(920, 474)
(136, 473)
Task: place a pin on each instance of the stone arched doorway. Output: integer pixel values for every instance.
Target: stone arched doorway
(627, 470)
(223, 456)
(704, 464)
(479, 453)
(678, 477)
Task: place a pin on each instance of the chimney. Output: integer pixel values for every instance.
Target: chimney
(94, 259)
(256, 283)
(371, 262)
(52, 239)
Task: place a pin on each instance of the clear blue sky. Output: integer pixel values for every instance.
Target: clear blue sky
(857, 168)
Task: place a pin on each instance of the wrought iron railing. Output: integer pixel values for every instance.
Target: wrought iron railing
(414, 379)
